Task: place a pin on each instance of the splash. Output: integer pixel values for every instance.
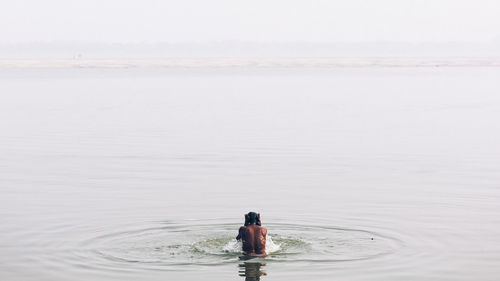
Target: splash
(235, 246)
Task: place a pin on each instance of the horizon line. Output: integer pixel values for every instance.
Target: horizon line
(252, 62)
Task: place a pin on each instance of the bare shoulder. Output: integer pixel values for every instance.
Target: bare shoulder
(241, 233)
(264, 230)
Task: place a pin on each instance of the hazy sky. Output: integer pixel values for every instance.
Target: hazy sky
(220, 20)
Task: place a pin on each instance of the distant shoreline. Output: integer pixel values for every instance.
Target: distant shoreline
(325, 62)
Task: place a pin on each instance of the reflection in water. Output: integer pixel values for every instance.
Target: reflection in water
(251, 270)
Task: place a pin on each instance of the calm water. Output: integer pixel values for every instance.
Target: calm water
(145, 174)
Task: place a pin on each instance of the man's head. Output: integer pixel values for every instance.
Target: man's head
(252, 218)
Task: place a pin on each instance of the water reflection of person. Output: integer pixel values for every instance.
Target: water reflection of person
(251, 271)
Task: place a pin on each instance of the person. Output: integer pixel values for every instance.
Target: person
(253, 236)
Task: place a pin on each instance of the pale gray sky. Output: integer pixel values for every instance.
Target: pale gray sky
(256, 20)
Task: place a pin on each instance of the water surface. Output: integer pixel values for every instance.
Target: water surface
(359, 173)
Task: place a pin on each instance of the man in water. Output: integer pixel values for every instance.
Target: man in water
(253, 236)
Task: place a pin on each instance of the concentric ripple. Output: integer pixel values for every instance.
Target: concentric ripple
(196, 244)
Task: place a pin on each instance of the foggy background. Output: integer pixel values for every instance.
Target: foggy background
(91, 28)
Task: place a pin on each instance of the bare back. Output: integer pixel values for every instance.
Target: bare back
(254, 239)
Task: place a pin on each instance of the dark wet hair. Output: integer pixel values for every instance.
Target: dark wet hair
(252, 217)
